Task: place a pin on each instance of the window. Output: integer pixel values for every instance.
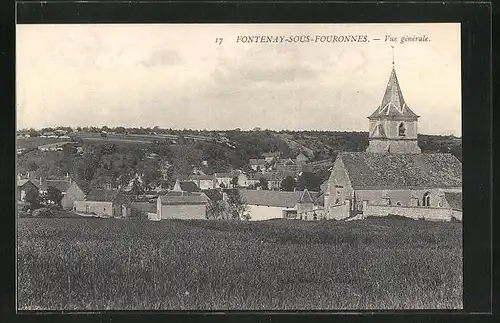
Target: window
(337, 198)
(426, 201)
(440, 204)
(398, 203)
(402, 130)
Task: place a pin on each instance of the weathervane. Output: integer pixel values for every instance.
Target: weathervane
(392, 46)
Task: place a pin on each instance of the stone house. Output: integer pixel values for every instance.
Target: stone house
(204, 182)
(266, 205)
(104, 203)
(185, 186)
(69, 189)
(301, 159)
(258, 164)
(180, 205)
(226, 178)
(271, 156)
(23, 186)
(393, 176)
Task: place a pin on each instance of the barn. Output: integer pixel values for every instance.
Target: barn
(180, 205)
(266, 204)
(23, 186)
(104, 203)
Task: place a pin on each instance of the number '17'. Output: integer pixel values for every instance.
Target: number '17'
(218, 41)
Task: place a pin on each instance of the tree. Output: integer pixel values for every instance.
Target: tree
(136, 188)
(33, 133)
(288, 184)
(234, 181)
(54, 195)
(33, 198)
(308, 180)
(217, 210)
(237, 205)
(264, 183)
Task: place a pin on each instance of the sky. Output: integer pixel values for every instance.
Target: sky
(179, 76)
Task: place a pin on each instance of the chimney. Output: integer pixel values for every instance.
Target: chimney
(40, 180)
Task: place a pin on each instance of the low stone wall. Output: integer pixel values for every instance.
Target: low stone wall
(338, 212)
(427, 213)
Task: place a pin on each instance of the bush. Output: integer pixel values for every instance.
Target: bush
(55, 207)
(42, 212)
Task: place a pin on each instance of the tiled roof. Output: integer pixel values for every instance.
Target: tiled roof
(201, 177)
(320, 199)
(226, 175)
(275, 198)
(188, 199)
(393, 103)
(257, 161)
(189, 187)
(275, 154)
(104, 195)
(454, 200)
(21, 182)
(213, 194)
(61, 185)
(393, 171)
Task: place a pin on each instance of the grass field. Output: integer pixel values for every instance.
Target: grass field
(37, 141)
(78, 264)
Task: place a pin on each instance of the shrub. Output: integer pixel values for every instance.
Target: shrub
(42, 212)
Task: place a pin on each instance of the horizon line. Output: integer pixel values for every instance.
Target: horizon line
(222, 130)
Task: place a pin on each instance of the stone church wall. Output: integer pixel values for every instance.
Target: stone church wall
(427, 213)
(393, 146)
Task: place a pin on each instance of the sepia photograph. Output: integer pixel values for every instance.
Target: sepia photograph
(239, 167)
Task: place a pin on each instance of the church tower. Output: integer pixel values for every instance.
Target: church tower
(393, 126)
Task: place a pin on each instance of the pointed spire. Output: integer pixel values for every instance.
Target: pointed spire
(393, 103)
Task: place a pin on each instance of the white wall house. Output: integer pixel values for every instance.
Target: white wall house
(266, 205)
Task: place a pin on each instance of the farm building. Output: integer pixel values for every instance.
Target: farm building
(185, 187)
(393, 176)
(23, 186)
(69, 189)
(301, 159)
(180, 205)
(142, 209)
(58, 146)
(105, 203)
(204, 182)
(272, 156)
(214, 194)
(226, 179)
(258, 164)
(265, 205)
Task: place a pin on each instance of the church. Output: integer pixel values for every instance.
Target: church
(393, 176)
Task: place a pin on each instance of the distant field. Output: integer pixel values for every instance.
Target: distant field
(37, 141)
(77, 264)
